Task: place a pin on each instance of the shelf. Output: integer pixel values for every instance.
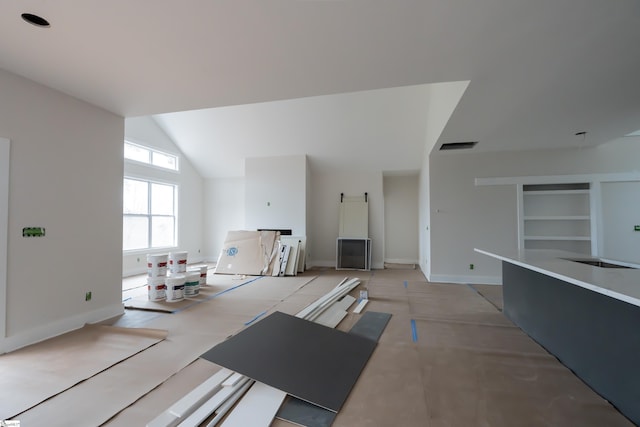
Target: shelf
(553, 192)
(557, 218)
(573, 238)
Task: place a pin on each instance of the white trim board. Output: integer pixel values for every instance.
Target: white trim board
(559, 179)
(257, 408)
(401, 261)
(4, 241)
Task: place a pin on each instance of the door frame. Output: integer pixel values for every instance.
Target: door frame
(4, 239)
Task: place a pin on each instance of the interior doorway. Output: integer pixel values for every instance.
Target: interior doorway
(401, 213)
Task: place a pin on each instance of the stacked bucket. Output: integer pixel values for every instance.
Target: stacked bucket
(156, 277)
(170, 280)
(177, 280)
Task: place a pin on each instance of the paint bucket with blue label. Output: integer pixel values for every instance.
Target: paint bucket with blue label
(175, 288)
(192, 284)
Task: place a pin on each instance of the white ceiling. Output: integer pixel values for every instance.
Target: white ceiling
(539, 71)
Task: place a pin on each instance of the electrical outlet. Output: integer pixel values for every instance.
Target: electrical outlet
(87, 296)
(471, 266)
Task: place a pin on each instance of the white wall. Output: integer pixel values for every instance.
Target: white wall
(191, 232)
(275, 193)
(620, 213)
(326, 187)
(464, 216)
(224, 211)
(5, 150)
(401, 218)
(66, 176)
(443, 99)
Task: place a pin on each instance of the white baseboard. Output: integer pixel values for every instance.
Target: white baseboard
(474, 280)
(59, 327)
(401, 261)
(321, 263)
(332, 264)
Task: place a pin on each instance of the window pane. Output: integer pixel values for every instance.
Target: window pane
(162, 199)
(135, 152)
(162, 232)
(164, 160)
(135, 232)
(135, 197)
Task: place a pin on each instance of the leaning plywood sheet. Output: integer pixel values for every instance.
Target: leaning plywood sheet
(309, 361)
(35, 373)
(246, 252)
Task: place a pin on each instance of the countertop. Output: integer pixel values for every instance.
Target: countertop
(619, 283)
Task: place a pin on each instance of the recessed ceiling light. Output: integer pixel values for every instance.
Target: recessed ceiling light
(36, 20)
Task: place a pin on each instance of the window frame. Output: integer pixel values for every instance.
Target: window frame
(149, 215)
(151, 150)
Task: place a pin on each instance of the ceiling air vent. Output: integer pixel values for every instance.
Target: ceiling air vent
(457, 145)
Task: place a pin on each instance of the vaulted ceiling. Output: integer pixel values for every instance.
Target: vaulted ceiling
(538, 72)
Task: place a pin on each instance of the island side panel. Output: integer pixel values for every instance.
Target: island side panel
(596, 336)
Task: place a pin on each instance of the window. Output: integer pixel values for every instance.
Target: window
(150, 156)
(149, 210)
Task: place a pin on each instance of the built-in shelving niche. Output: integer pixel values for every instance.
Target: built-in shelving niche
(556, 216)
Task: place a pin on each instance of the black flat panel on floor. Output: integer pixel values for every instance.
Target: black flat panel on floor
(304, 359)
(371, 325)
(303, 413)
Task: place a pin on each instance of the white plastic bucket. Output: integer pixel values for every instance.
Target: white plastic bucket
(175, 288)
(178, 262)
(156, 288)
(192, 284)
(202, 270)
(157, 265)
